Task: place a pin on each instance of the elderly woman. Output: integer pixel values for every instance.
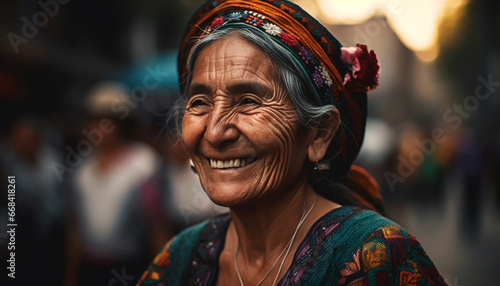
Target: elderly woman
(274, 113)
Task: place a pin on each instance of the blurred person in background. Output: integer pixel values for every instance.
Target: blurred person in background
(427, 163)
(39, 210)
(117, 218)
(186, 202)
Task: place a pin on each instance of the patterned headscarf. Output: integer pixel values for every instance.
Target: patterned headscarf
(341, 76)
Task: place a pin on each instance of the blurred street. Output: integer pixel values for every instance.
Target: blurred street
(466, 252)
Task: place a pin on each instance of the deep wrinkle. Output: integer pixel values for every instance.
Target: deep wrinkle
(242, 111)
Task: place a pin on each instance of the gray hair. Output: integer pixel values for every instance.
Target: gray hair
(292, 74)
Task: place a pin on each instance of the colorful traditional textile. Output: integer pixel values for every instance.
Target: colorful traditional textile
(347, 246)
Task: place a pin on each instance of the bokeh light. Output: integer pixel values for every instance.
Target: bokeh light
(416, 23)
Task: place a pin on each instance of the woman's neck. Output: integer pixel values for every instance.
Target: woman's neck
(258, 234)
(264, 230)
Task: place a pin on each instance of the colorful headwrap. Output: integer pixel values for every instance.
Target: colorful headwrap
(341, 76)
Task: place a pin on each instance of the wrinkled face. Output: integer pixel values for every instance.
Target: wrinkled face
(240, 128)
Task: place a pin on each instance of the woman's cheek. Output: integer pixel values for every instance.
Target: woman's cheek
(277, 129)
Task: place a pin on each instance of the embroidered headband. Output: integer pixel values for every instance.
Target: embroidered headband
(341, 76)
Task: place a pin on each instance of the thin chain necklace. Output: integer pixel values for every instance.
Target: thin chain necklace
(288, 246)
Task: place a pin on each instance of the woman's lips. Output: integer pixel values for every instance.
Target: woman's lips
(233, 163)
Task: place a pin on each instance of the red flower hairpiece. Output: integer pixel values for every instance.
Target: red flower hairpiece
(364, 71)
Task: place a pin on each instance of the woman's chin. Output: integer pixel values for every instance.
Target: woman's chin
(227, 196)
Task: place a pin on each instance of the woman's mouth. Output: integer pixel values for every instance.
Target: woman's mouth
(233, 163)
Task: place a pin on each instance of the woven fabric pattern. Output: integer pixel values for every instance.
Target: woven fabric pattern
(347, 246)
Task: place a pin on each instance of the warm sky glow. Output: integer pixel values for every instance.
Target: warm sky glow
(415, 22)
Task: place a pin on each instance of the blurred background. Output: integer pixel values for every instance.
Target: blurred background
(101, 184)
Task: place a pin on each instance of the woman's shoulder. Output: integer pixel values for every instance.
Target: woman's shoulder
(387, 255)
(174, 260)
(351, 225)
(374, 232)
(352, 246)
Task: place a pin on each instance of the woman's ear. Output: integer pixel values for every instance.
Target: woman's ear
(324, 134)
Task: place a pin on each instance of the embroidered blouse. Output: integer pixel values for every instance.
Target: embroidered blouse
(347, 246)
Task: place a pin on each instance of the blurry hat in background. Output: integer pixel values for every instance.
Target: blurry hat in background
(109, 99)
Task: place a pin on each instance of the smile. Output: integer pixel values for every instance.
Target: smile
(234, 163)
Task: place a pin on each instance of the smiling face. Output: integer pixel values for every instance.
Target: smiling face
(240, 128)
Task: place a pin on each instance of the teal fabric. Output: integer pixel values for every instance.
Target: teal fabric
(337, 249)
(182, 247)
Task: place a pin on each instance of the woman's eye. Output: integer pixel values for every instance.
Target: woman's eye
(248, 101)
(198, 102)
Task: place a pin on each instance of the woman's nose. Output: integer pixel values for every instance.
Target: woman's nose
(221, 128)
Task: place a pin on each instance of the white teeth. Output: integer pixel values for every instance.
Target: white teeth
(234, 163)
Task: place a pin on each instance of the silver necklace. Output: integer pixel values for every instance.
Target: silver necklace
(288, 246)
